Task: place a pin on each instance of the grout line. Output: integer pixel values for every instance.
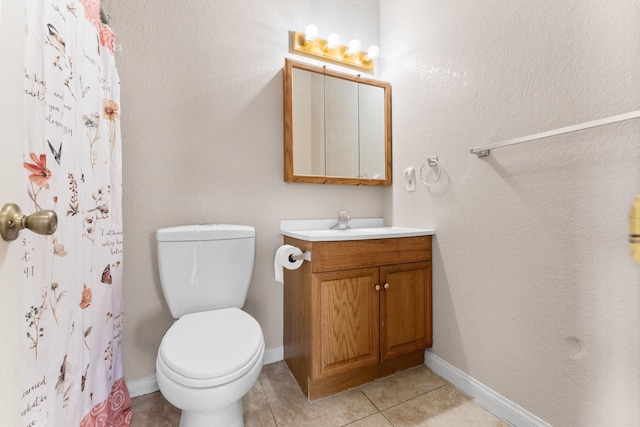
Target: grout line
(385, 417)
(366, 416)
(367, 397)
(273, 417)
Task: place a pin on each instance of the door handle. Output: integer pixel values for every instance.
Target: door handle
(12, 221)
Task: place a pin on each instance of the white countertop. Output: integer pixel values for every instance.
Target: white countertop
(361, 229)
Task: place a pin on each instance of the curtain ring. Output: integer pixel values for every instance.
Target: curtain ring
(431, 162)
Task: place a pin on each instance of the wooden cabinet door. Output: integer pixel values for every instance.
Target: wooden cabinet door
(345, 317)
(405, 309)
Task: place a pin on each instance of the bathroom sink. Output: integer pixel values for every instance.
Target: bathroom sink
(365, 229)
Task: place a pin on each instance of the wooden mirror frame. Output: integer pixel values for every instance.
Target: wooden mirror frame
(289, 175)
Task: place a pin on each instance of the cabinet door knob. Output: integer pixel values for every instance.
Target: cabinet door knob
(377, 287)
(386, 286)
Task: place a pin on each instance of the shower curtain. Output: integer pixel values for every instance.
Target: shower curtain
(73, 279)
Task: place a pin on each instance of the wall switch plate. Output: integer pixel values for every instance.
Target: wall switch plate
(410, 177)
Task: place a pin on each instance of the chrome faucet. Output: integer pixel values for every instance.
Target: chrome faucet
(343, 221)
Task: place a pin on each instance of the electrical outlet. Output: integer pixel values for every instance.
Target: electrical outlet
(410, 177)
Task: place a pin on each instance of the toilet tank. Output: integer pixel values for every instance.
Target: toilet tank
(205, 267)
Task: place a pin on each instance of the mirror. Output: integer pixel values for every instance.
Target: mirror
(337, 127)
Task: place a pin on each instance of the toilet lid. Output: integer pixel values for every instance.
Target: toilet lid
(211, 344)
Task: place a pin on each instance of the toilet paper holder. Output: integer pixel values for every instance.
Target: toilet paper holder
(306, 256)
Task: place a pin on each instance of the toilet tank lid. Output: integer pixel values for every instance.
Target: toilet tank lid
(202, 232)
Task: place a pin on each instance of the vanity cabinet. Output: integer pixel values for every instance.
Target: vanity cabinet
(359, 310)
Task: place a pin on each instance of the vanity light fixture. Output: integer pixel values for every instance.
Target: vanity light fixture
(309, 44)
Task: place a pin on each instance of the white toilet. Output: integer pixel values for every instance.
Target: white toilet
(212, 355)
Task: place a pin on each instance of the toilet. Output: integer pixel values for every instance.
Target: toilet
(212, 355)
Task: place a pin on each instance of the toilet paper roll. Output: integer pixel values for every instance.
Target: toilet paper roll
(282, 260)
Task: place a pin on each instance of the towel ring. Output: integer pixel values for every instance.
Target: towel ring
(431, 162)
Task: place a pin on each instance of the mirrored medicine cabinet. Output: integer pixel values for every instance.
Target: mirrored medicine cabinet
(337, 127)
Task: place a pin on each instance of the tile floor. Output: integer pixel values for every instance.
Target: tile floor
(414, 397)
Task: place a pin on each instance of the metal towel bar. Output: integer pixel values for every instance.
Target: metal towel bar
(484, 150)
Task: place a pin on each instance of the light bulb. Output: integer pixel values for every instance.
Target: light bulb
(333, 41)
(354, 47)
(372, 53)
(310, 33)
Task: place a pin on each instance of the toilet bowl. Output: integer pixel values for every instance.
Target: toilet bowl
(207, 362)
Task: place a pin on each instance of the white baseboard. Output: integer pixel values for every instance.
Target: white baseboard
(142, 386)
(273, 355)
(498, 405)
(149, 384)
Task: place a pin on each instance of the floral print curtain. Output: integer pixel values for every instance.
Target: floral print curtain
(72, 279)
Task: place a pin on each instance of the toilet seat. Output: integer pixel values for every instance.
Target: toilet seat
(210, 348)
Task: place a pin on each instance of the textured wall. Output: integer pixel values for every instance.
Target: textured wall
(535, 293)
(203, 140)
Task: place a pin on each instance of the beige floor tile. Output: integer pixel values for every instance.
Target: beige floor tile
(290, 407)
(375, 420)
(276, 400)
(152, 410)
(148, 401)
(443, 407)
(257, 412)
(402, 386)
(274, 369)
